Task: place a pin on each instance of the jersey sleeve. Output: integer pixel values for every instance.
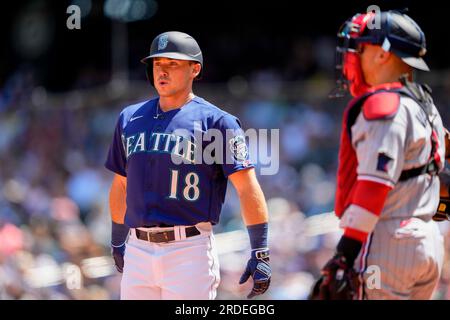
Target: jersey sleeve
(116, 159)
(380, 149)
(235, 148)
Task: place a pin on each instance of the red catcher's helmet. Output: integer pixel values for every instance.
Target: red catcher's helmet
(394, 31)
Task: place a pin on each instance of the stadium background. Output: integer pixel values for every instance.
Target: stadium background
(271, 63)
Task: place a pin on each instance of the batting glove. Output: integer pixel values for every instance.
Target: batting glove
(259, 269)
(118, 252)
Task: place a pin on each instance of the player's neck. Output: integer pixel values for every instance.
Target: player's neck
(175, 101)
(390, 75)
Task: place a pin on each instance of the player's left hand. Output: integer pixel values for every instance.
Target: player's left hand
(259, 269)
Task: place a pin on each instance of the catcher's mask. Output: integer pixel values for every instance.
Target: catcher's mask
(173, 45)
(394, 31)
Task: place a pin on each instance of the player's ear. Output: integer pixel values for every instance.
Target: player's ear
(382, 56)
(196, 68)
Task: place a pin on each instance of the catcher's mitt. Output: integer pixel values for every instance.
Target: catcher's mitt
(338, 281)
(443, 211)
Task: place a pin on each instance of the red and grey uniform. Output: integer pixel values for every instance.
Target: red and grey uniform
(392, 147)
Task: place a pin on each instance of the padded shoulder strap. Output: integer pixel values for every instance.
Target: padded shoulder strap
(381, 105)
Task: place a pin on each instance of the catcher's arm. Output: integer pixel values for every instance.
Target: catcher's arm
(339, 281)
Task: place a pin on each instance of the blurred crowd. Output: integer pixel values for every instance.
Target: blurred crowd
(54, 215)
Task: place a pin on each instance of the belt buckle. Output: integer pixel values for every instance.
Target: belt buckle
(164, 234)
(149, 233)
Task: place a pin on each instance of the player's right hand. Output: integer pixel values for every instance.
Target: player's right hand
(339, 281)
(259, 269)
(118, 253)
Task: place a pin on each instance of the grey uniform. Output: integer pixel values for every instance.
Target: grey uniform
(406, 248)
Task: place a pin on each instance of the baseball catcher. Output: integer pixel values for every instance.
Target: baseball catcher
(392, 149)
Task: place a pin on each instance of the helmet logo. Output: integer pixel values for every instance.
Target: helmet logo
(422, 52)
(162, 42)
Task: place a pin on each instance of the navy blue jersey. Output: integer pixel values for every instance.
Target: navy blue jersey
(168, 182)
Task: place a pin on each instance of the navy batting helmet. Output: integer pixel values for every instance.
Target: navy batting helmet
(173, 45)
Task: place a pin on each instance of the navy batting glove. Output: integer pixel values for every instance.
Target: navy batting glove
(118, 253)
(259, 269)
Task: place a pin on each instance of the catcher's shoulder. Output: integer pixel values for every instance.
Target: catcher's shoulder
(381, 105)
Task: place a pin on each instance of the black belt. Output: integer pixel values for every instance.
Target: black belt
(430, 168)
(164, 236)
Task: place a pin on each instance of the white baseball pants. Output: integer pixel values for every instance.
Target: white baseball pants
(187, 268)
(409, 257)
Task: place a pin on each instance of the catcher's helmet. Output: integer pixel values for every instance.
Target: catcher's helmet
(401, 35)
(393, 30)
(174, 45)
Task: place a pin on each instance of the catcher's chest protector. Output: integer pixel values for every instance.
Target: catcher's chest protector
(386, 107)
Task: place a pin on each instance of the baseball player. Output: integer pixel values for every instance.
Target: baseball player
(164, 199)
(392, 148)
